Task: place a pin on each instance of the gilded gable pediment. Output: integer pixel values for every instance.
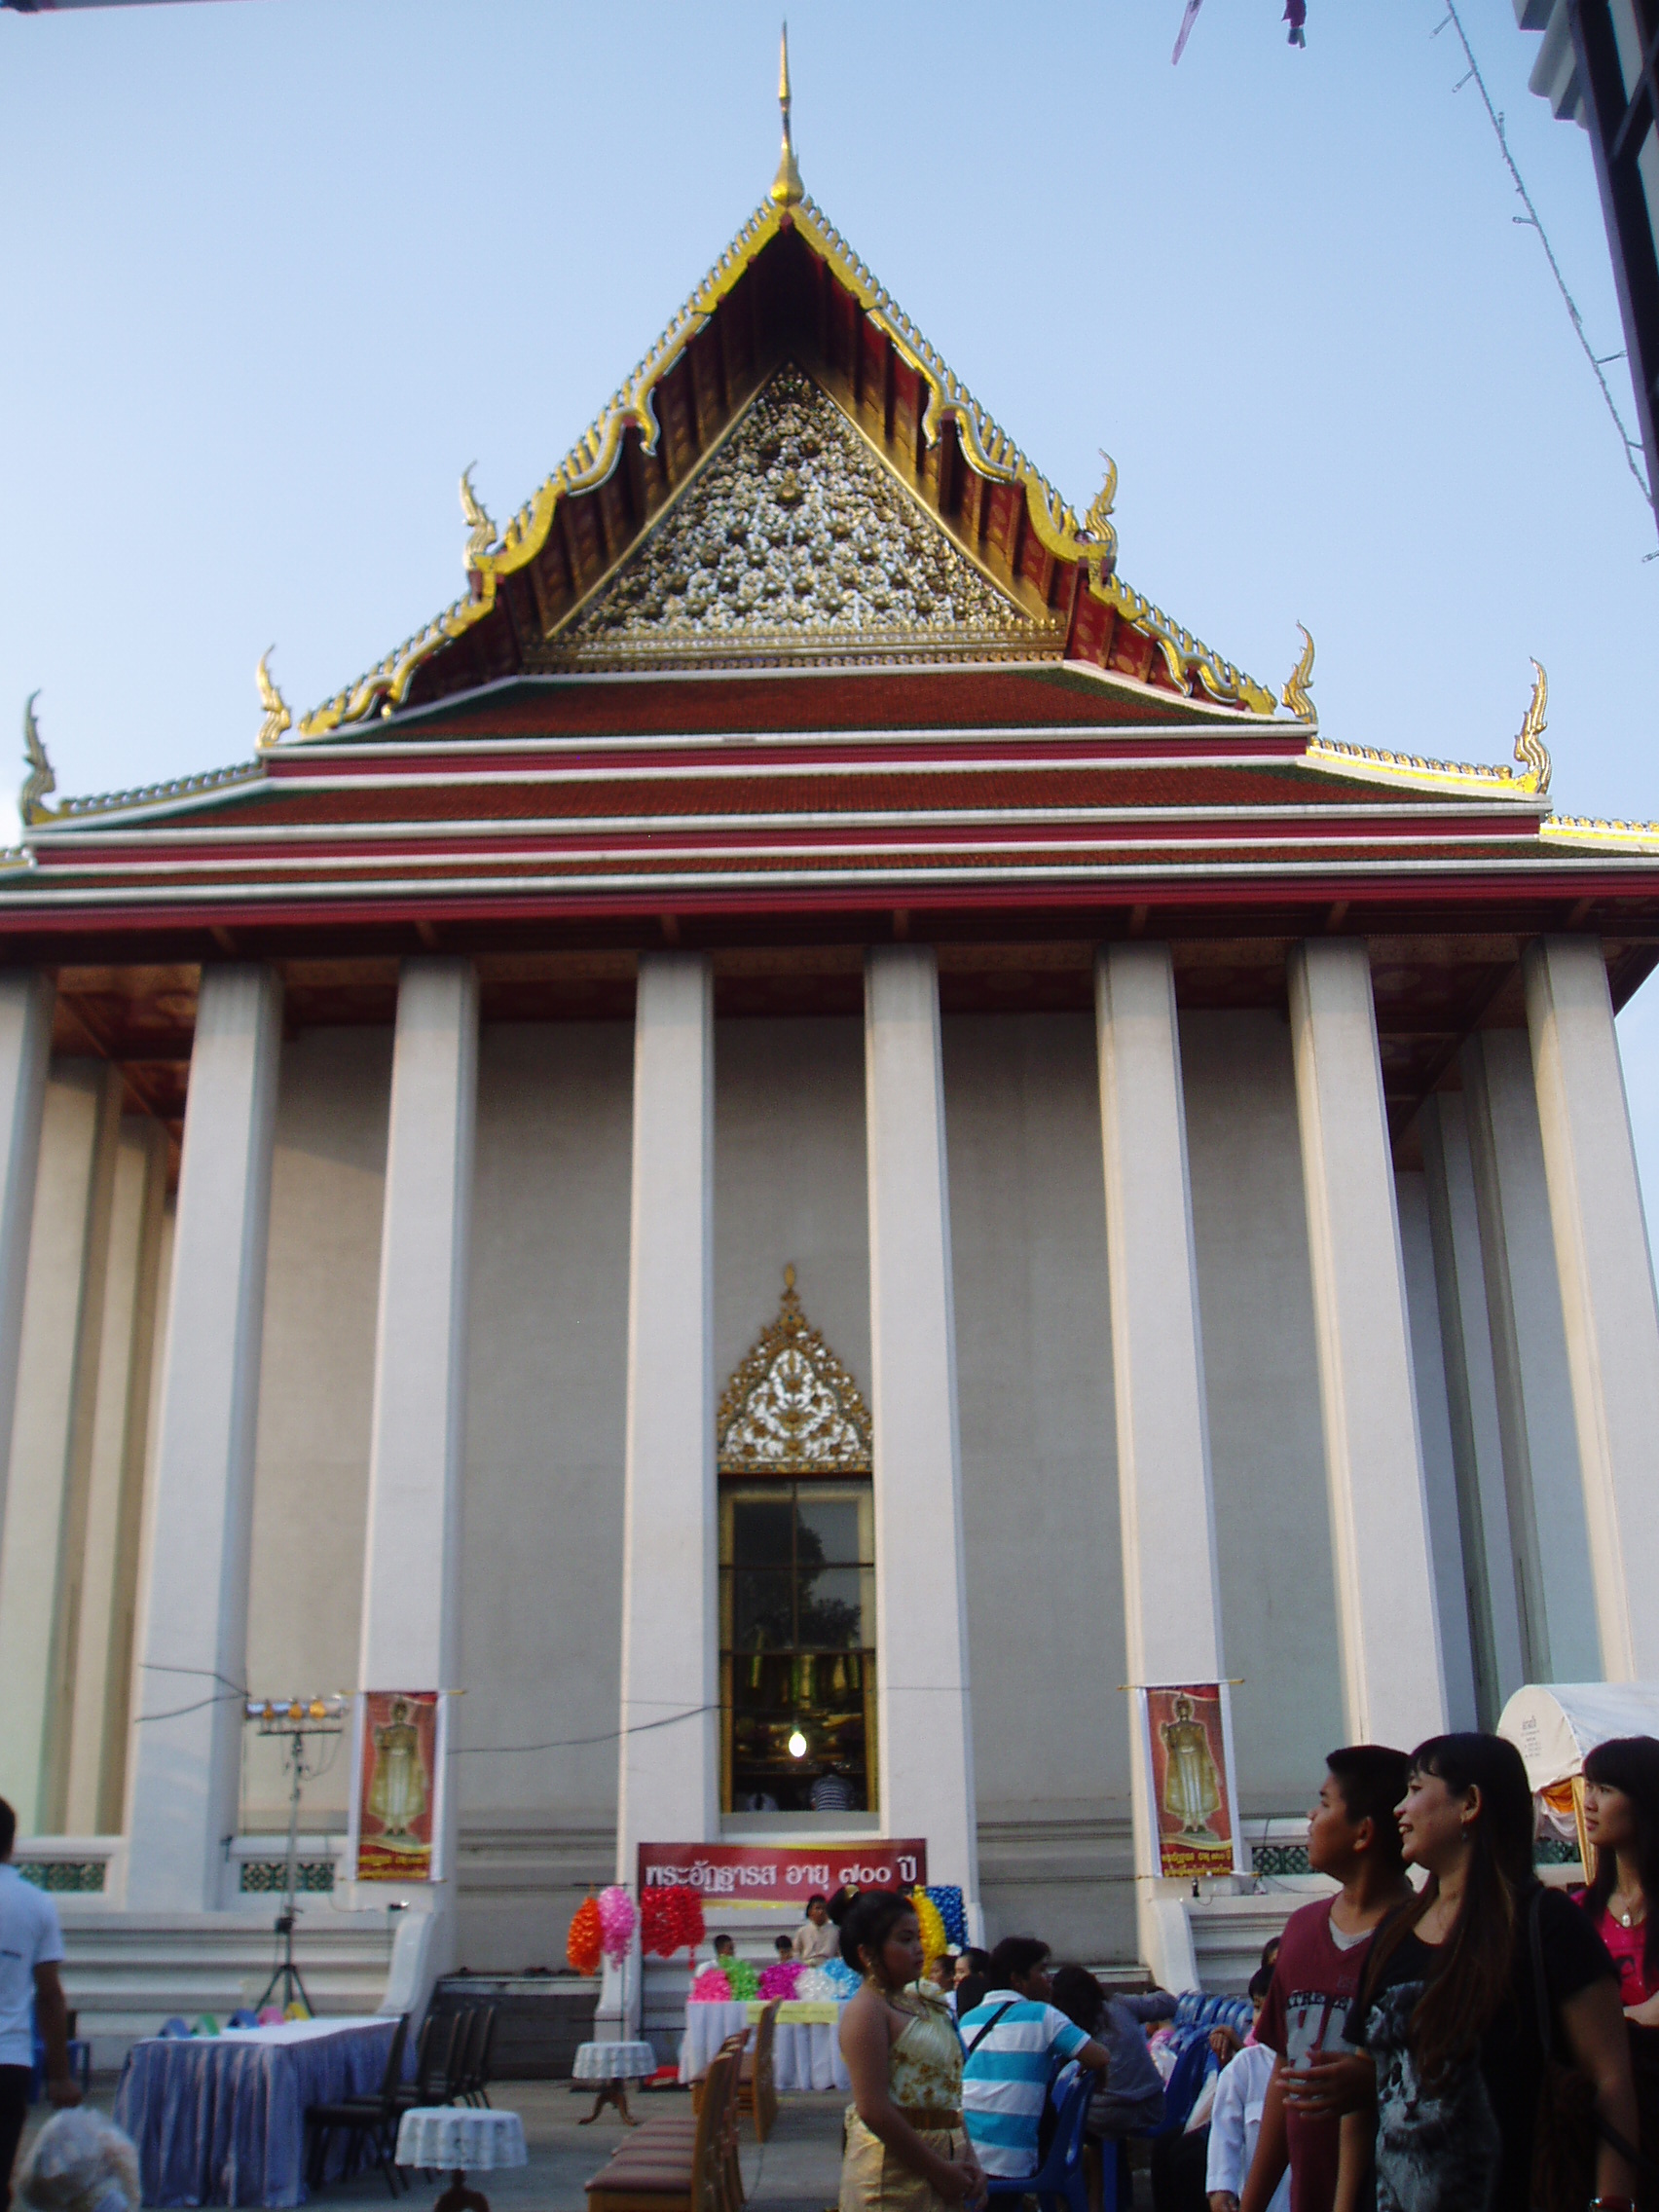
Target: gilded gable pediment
(794, 540)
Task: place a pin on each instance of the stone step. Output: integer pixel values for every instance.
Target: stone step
(126, 1973)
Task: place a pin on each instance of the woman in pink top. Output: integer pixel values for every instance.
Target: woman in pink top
(1621, 1819)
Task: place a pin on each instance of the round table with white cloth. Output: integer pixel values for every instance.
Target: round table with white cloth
(610, 2067)
(614, 2062)
(806, 2054)
(461, 2139)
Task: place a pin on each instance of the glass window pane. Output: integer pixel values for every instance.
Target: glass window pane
(760, 1529)
(831, 1609)
(762, 1619)
(828, 1529)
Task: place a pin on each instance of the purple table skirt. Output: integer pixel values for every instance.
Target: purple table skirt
(221, 2119)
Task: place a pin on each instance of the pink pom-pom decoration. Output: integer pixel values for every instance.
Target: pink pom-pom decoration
(711, 1987)
(616, 1918)
(781, 1980)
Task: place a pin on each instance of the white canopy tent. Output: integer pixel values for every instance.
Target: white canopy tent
(1553, 1724)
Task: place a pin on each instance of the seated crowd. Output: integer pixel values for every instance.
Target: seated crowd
(1399, 2033)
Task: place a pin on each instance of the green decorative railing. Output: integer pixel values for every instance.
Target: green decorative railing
(268, 1877)
(79, 1875)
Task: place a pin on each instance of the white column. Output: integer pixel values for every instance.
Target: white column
(1606, 1288)
(1172, 1584)
(924, 1720)
(668, 1765)
(1471, 1390)
(1394, 1687)
(183, 1769)
(1439, 1456)
(412, 1547)
(40, 1566)
(27, 1000)
(1530, 1361)
(104, 1662)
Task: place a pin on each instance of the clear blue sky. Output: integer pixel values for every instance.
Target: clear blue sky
(277, 268)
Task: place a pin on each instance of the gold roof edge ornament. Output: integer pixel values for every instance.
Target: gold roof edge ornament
(787, 191)
(277, 716)
(1296, 683)
(40, 778)
(597, 453)
(1530, 748)
(791, 1407)
(1097, 523)
(1595, 831)
(483, 531)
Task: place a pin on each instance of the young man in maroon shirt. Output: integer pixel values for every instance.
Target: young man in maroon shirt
(1351, 1835)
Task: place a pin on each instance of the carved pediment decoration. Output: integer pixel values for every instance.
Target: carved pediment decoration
(792, 1407)
(796, 540)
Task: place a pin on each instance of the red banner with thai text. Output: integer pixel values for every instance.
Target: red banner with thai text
(780, 1873)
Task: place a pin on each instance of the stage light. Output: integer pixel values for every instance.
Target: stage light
(797, 1745)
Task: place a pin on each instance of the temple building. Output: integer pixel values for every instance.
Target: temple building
(792, 1152)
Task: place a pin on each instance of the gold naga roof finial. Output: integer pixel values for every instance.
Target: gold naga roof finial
(1295, 692)
(482, 527)
(1530, 743)
(787, 191)
(1097, 522)
(40, 778)
(277, 716)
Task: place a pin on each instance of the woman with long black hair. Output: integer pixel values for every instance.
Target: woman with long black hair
(1621, 1819)
(1448, 2006)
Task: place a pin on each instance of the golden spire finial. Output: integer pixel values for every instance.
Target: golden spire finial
(276, 714)
(483, 530)
(787, 191)
(31, 799)
(1295, 693)
(1530, 748)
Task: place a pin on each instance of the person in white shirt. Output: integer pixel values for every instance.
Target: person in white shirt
(31, 1943)
(816, 1940)
(1236, 2116)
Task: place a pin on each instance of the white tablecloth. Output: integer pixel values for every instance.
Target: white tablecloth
(614, 2062)
(457, 2139)
(804, 2056)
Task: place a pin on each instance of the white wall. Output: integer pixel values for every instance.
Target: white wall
(541, 1545)
(1039, 1476)
(1272, 1517)
(317, 1382)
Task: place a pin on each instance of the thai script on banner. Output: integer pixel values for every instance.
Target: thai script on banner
(768, 1873)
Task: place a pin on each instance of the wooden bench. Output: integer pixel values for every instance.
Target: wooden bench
(681, 2162)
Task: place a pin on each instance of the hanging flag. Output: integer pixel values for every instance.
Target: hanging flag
(1296, 14)
(1187, 23)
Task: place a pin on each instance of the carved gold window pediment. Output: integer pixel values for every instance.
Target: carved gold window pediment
(791, 1407)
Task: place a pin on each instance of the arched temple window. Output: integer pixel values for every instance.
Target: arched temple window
(797, 1578)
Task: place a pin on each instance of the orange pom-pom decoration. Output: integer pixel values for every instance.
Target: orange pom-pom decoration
(584, 1946)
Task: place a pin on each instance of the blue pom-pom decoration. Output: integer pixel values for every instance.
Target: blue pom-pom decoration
(949, 1899)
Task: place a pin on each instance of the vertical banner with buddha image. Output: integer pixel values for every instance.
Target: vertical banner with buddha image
(397, 1783)
(1186, 1742)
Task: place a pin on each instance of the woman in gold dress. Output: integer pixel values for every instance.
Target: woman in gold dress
(906, 2150)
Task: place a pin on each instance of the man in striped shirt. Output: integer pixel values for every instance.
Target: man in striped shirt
(1013, 2044)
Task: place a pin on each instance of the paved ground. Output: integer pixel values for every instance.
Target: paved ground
(798, 2170)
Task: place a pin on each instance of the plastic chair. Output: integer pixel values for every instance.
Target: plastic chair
(1195, 2064)
(1059, 2180)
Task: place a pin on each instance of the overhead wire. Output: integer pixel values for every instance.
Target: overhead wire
(1630, 446)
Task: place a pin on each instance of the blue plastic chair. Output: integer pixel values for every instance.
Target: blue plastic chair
(1193, 2069)
(1059, 2180)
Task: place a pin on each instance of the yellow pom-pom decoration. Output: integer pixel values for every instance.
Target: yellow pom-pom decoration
(935, 1941)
